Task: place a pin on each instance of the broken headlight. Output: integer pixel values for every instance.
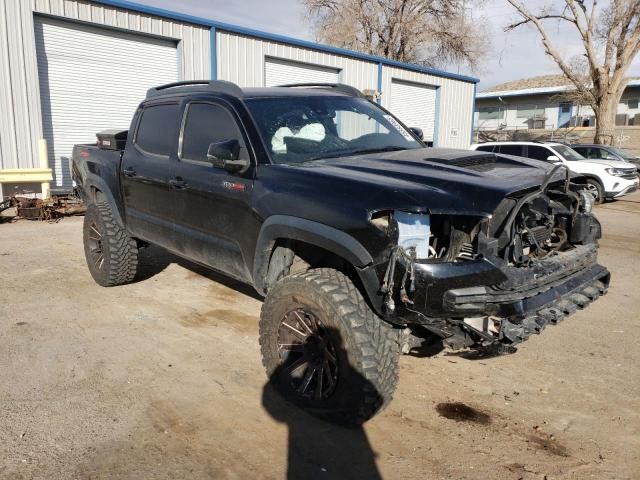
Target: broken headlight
(586, 201)
(445, 237)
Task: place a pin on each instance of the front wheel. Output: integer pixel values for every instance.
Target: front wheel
(325, 350)
(596, 190)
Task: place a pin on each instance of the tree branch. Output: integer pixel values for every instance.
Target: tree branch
(549, 48)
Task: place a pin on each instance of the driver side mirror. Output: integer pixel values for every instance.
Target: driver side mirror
(553, 158)
(417, 132)
(226, 154)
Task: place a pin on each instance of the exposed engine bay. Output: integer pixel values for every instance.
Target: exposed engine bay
(534, 241)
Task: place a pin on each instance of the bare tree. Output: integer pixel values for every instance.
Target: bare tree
(610, 38)
(426, 32)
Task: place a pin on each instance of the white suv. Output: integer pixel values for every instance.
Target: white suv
(605, 178)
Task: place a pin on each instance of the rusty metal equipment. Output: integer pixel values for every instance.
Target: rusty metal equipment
(50, 209)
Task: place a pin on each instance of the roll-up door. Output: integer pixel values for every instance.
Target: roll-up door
(281, 72)
(91, 79)
(415, 105)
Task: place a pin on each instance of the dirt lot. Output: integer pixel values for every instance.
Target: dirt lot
(162, 379)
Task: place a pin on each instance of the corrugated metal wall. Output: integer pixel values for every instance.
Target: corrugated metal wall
(20, 112)
(454, 109)
(241, 60)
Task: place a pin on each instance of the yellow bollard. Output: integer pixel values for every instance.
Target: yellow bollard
(43, 156)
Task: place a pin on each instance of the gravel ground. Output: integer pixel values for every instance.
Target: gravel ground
(163, 379)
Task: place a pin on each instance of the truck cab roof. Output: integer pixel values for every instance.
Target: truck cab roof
(229, 88)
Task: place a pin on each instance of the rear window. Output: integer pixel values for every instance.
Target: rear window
(584, 151)
(158, 129)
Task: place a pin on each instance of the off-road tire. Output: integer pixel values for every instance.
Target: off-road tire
(594, 186)
(119, 251)
(367, 346)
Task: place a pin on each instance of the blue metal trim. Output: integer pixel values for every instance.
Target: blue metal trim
(281, 38)
(436, 119)
(379, 82)
(214, 53)
(560, 113)
(473, 109)
(570, 114)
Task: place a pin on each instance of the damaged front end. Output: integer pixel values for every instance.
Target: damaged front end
(496, 279)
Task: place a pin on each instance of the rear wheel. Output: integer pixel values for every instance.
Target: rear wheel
(111, 254)
(325, 350)
(594, 187)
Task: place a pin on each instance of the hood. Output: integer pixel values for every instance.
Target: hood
(438, 180)
(609, 163)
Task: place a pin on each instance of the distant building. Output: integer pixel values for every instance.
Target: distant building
(542, 103)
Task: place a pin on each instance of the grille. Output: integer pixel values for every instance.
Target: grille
(632, 175)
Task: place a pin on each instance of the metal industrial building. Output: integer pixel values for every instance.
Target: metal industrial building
(70, 68)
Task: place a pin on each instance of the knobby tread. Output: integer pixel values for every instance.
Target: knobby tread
(376, 353)
(121, 251)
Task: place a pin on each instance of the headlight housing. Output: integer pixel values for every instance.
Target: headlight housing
(587, 201)
(618, 172)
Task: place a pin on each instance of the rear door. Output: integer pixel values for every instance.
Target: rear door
(148, 171)
(214, 218)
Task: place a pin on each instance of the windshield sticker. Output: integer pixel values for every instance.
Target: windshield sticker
(398, 127)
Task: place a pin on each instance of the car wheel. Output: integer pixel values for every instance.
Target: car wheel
(595, 189)
(111, 254)
(325, 350)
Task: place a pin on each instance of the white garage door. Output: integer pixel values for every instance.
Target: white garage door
(281, 72)
(91, 79)
(415, 105)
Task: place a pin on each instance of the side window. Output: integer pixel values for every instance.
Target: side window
(511, 150)
(485, 148)
(207, 123)
(538, 153)
(606, 155)
(158, 129)
(593, 153)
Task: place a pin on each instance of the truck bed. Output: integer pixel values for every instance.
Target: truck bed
(94, 168)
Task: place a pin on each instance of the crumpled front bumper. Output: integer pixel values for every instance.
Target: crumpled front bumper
(480, 288)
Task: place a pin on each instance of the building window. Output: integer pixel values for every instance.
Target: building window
(489, 113)
(632, 103)
(529, 111)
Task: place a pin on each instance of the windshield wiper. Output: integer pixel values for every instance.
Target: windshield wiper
(350, 153)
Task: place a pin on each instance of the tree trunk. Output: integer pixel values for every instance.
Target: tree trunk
(605, 119)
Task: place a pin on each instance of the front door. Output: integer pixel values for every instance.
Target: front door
(213, 206)
(147, 174)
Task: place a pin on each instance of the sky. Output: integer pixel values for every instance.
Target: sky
(512, 55)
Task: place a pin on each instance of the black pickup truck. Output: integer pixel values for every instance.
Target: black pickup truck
(362, 240)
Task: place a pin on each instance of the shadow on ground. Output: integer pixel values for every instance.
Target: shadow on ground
(153, 260)
(317, 448)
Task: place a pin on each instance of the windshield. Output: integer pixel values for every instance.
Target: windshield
(567, 153)
(622, 153)
(301, 129)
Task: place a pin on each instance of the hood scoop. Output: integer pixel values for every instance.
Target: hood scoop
(478, 163)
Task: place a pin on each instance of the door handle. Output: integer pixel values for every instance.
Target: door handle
(178, 183)
(129, 172)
